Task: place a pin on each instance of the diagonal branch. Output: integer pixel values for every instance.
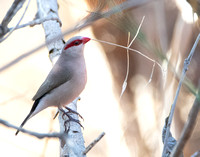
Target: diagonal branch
(189, 126)
(91, 145)
(16, 6)
(185, 68)
(2, 39)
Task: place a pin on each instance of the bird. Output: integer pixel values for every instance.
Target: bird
(65, 81)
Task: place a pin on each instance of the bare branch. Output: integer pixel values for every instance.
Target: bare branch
(17, 23)
(35, 134)
(185, 68)
(91, 145)
(189, 126)
(37, 22)
(16, 6)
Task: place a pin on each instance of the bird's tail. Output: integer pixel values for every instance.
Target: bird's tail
(25, 120)
(30, 114)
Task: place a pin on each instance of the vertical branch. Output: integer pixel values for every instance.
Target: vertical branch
(73, 143)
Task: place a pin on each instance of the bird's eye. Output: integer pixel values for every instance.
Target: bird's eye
(77, 42)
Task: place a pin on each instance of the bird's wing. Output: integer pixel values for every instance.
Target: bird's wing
(56, 77)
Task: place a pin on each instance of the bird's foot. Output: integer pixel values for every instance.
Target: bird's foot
(70, 118)
(72, 111)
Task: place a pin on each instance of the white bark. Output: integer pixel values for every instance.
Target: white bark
(73, 143)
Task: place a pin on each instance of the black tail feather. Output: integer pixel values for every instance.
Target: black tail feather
(25, 120)
(29, 115)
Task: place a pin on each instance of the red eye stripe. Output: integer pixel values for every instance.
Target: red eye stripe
(73, 43)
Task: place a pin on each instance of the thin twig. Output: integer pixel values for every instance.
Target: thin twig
(134, 50)
(152, 71)
(189, 126)
(124, 85)
(37, 22)
(91, 145)
(129, 45)
(35, 134)
(138, 30)
(185, 68)
(17, 23)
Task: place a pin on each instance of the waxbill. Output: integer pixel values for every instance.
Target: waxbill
(65, 81)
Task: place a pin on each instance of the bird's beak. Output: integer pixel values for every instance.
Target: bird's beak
(85, 40)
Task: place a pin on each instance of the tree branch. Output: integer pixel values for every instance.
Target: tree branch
(16, 6)
(35, 134)
(189, 126)
(2, 39)
(91, 145)
(185, 68)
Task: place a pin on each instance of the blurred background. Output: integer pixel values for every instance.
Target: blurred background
(133, 124)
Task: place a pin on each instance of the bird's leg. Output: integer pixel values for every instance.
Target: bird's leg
(72, 111)
(56, 115)
(69, 111)
(70, 118)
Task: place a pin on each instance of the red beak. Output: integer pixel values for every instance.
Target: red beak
(85, 40)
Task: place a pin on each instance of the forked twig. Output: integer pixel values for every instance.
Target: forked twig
(134, 50)
(129, 45)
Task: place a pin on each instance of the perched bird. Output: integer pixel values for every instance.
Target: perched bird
(65, 81)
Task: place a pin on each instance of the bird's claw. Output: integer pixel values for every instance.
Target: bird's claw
(72, 111)
(70, 118)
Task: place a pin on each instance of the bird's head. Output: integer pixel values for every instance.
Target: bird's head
(75, 45)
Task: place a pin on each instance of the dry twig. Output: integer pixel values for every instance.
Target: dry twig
(128, 46)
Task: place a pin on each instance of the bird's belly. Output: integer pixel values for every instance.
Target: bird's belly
(66, 93)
